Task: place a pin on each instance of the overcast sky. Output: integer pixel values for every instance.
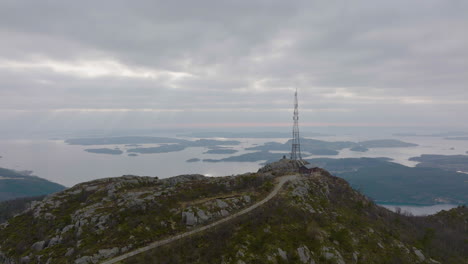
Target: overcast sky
(218, 64)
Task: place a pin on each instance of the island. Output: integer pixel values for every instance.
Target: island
(109, 151)
(312, 146)
(130, 140)
(220, 151)
(443, 134)
(160, 149)
(133, 145)
(322, 152)
(386, 143)
(132, 155)
(211, 143)
(193, 160)
(359, 149)
(456, 163)
(456, 138)
(265, 134)
(166, 144)
(250, 157)
(319, 147)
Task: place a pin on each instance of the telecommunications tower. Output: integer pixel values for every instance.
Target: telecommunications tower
(296, 144)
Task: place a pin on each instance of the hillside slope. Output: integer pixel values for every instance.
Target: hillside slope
(314, 219)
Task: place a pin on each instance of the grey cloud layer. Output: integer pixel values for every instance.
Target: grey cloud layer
(352, 61)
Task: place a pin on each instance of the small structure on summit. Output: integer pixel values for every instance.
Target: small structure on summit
(295, 163)
(308, 169)
(296, 143)
(296, 156)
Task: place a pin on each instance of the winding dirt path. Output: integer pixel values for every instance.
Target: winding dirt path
(281, 181)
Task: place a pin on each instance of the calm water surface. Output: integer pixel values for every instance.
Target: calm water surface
(70, 164)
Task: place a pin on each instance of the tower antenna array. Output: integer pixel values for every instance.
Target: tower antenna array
(296, 144)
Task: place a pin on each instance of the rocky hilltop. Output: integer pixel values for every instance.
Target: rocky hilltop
(314, 218)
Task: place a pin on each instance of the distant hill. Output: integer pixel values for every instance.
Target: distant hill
(15, 184)
(396, 183)
(319, 147)
(123, 140)
(264, 134)
(443, 134)
(446, 162)
(386, 143)
(314, 218)
(456, 138)
(166, 145)
(109, 151)
(385, 181)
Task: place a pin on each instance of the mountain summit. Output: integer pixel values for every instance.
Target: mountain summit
(276, 215)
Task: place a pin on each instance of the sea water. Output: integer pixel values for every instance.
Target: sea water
(70, 164)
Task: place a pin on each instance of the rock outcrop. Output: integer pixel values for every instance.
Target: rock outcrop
(122, 213)
(315, 218)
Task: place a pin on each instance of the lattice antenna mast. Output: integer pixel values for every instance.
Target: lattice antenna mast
(296, 144)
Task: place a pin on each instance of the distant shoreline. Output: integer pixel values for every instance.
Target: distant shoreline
(417, 210)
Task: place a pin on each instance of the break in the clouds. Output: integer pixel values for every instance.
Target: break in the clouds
(150, 64)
